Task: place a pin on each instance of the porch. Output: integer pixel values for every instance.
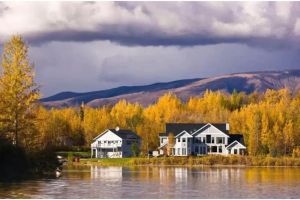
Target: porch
(106, 152)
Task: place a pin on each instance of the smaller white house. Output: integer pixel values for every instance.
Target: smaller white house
(114, 143)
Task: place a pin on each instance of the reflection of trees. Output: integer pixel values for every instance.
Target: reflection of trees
(272, 174)
(76, 171)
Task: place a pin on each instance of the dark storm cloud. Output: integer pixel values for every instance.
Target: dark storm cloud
(264, 24)
(85, 46)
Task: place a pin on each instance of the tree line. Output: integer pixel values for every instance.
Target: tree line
(268, 121)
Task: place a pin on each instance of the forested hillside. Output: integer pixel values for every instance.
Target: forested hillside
(269, 121)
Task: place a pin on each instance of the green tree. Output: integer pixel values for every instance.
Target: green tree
(18, 90)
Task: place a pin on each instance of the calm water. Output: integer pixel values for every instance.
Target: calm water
(161, 182)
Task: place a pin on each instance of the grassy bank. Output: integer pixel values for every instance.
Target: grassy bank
(194, 161)
(81, 154)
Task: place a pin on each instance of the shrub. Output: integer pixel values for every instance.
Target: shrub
(14, 162)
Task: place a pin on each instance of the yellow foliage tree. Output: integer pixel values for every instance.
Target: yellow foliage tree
(18, 91)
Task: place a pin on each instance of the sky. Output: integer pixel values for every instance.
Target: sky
(87, 46)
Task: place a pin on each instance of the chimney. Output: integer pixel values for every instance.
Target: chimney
(117, 128)
(227, 126)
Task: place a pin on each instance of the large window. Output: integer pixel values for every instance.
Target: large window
(213, 140)
(178, 151)
(220, 140)
(184, 151)
(208, 138)
(214, 149)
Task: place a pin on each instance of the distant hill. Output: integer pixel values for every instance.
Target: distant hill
(147, 94)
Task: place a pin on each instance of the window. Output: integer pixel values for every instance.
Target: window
(220, 140)
(220, 149)
(203, 140)
(183, 139)
(208, 149)
(178, 139)
(208, 138)
(99, 142)
(214, 149)
(213, 140)
(105, 141)
(196, 149)
(178, 151)
(161, 140)
(184, 151)
(235, 151)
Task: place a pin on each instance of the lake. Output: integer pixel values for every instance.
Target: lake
(161, 182)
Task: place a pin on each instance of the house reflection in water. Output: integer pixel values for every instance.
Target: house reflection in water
(107, 173)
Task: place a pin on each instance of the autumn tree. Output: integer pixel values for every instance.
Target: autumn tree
(18, 90)
(171, 143)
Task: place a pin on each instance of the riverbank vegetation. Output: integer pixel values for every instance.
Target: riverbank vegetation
(211, 160)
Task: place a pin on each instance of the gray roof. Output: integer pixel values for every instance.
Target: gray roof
(125, 134)
(177, 128)
(236, 137)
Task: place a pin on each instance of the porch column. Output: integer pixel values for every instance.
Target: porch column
(92, 149)
(96, 153)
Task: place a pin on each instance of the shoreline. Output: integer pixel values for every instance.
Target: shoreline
(207, 161)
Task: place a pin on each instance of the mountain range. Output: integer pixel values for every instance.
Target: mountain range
(184, 89)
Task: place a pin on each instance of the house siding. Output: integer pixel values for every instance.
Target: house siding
(206, 140)
(110, 145)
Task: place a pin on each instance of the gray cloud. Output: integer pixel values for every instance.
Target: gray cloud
(263, 24)
(85, 46)
(82, 67)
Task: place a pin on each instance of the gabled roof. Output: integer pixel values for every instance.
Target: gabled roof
(177, 128)
(122, 133)
(182, 133)
(234, 143)
(208, 125)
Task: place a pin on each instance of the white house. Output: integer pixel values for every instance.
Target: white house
(114, 143)
(201, 139)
